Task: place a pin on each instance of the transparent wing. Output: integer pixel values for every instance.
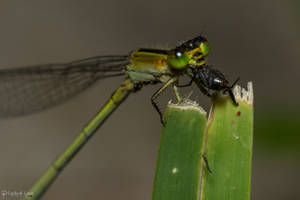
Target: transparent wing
(29, 89)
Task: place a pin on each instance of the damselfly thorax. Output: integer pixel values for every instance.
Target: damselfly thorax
(148, 66)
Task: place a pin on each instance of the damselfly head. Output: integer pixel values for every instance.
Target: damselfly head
(191, 52)
(178, 58)
(197, 49)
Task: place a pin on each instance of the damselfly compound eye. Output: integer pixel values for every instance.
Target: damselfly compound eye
(178, 54)
(178, 59)
(205, 48)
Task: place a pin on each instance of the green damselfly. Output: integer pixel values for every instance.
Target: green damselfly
(33, 88)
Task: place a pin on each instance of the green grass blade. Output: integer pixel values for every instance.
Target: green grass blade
(229, 148)
(179, 160)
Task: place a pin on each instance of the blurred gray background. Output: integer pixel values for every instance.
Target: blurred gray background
(257, 40)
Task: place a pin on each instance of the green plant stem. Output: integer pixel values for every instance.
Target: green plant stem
(179, 160)
(226, 144)
(228, 148)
